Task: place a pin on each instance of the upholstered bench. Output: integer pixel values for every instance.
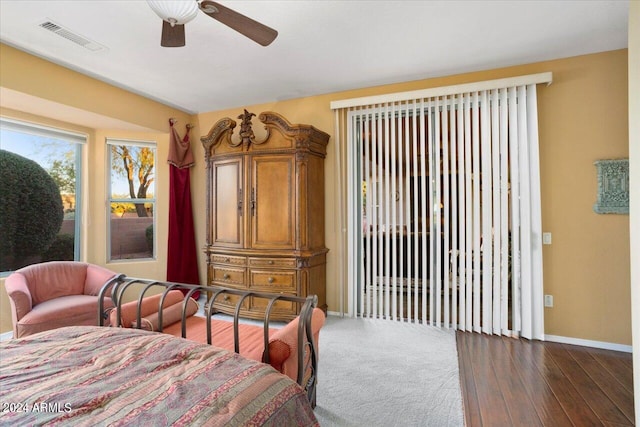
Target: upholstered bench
(283, 342)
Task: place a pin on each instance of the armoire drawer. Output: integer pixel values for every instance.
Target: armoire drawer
(227, 276)
(273, 262)
(273, 281)
(228, 259)
(279, 307)
(229, 301)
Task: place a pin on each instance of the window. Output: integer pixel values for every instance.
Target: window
(132, 200)
(40, 203)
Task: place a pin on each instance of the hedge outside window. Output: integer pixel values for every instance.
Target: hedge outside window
(40, 189)
(132, 200)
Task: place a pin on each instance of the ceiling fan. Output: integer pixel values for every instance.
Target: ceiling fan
(176, 13)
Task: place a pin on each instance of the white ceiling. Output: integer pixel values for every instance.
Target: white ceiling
(323, 46)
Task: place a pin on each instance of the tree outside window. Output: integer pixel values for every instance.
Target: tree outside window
(131, 199)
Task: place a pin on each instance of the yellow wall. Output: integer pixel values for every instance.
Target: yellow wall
(34, 76)
(583, 117)
(48, 84)
(634, 160)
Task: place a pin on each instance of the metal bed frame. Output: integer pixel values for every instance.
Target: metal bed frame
(307, 347)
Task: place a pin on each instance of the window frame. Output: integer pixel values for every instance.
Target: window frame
(73, 138)
(110, 199)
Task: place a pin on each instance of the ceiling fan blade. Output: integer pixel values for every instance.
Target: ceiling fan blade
(246, 26)
(172, 36)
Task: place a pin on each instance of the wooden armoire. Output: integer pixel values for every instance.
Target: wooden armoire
(265, 212)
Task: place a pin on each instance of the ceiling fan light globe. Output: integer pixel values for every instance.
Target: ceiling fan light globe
(175, 11)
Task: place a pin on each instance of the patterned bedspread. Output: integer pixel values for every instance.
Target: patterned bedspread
(90, 376)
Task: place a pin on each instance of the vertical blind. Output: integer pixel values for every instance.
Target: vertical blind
(443, 206)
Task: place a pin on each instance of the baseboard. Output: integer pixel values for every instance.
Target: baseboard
(590, 343)
(335, 313)
(559, 339)
(6, 336)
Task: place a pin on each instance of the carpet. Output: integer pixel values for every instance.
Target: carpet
(386, 373)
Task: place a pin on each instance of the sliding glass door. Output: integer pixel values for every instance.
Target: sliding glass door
(444, 210)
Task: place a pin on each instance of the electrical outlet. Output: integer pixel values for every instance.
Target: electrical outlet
(548, 300)
(546, 238)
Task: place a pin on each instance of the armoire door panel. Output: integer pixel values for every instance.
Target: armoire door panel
(272, 200)
(228, 203)
(314, 205)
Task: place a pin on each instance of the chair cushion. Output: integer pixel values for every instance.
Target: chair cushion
(63, 311)
(251, 338)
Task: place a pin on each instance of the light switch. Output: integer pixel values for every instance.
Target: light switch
(546, 238)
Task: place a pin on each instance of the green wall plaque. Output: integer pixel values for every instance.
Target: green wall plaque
(613, 186)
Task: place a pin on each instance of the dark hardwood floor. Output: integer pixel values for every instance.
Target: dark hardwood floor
(510, 382)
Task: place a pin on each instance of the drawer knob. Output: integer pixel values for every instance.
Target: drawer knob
(226, 276)
(270, 280)
(226, 298)
(227, 260)
(271, 261)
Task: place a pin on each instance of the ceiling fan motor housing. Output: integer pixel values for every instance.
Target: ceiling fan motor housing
(176, 11)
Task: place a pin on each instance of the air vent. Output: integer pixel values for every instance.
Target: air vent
(71, 36)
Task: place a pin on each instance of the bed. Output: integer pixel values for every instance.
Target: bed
(92, 375)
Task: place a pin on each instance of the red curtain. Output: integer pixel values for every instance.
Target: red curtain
(182, 259)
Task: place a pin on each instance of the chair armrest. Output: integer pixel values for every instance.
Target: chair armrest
(97, 276)
(19, 295)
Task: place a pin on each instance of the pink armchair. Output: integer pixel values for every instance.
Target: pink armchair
(55, 294)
